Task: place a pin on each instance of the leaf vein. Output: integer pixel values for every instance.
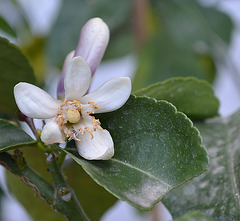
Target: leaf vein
(142, 171)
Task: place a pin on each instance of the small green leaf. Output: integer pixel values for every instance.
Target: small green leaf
(6, 27)
(12, 136)
(216, 192)
(156, 149)
(191, 96)
(14, 68)
(194, 216)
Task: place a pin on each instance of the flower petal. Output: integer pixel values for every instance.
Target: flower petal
(112, 95)
(35, 102)
(100, 147)
(52, 133)
(77, 78)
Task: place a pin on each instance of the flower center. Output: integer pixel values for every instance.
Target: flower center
(73, 116)
(70, 113)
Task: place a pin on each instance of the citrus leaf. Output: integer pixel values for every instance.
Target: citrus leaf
(156, 149)
(216, 192)
(191, 96)
(194, 216)
(12, 136)
(14, 68)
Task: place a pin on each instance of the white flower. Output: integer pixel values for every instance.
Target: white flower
(73, 116)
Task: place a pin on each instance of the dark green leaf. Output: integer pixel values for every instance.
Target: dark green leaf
(74, 14)
(191, 96)
(14, 68)
(6, 27)
(12, 136)
(156, 150)
(194, 216)
(216, 192)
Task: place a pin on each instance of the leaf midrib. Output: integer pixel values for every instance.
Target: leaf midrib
(140, 170)
(230, 163)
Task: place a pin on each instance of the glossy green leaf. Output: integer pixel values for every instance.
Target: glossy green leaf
(74, 14)
(191, 96)
(12, 136)
(194, 216)
(94, 199)
(14, 68)
(216, 192)
(6, 27)
(156, 149)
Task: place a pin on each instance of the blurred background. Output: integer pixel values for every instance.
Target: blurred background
(151, 41)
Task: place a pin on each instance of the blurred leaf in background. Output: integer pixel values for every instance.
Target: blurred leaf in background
(4, 26)
(14, 68)
(216, 192)
(187, 42)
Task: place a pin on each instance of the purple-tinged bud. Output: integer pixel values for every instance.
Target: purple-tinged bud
(60, 88)
(93, 41)
(22, 117)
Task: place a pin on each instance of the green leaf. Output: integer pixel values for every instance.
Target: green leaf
(216, 192)
(194, 216)
(14, 68)
(12, 136)
(94, 199)
(191, 96)
(6, 27)
(74, 14)
(156, 149)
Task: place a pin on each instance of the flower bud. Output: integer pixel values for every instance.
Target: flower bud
(60, 88)
(92, 42)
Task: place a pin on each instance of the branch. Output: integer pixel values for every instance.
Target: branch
(65, 200)
(61, 198)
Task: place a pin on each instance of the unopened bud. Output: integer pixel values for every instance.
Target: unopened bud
(92, 42)
(60, 88)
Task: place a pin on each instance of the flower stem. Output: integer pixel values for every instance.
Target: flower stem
(65, 199)
(59, 197)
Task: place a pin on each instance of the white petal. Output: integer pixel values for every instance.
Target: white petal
(52, 133)
(100, 147)
(112, 95)
(35, 102)
(77, 79)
